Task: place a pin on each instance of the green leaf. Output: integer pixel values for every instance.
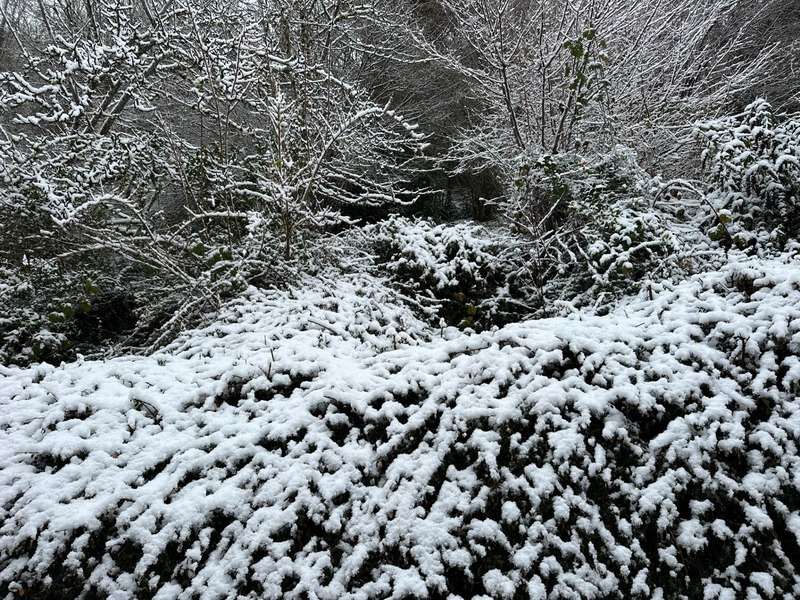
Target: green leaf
(717, 233)
(89, 287)
(575, 48)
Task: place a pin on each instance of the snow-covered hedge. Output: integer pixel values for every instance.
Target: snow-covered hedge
(324, 443)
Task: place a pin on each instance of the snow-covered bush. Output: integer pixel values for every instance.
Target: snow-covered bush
(323, 442)
(460, 272)
(50, 314)
(753, 161)
(29, 336)
(591, 231)
(25, 334)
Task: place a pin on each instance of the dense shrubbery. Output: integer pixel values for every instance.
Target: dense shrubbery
(461, 273)
(51, 314)
(589, 230)
(753, 162)
(324, 442)
(368, 410)
(582, 233)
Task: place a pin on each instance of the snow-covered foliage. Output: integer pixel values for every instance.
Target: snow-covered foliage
(25, 334)
(323, 442)
(194, 150)
(573, 232)
(462, 272)
(589, 228)
(753, 160)
(51, 315)
(304, 395)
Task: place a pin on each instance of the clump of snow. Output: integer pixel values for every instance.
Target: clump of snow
(325, 443)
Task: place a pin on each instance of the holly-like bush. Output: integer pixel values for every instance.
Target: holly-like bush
(753, 161)
(591, 231)
(460, 272)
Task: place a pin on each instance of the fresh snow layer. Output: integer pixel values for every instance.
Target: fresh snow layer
(324, 443)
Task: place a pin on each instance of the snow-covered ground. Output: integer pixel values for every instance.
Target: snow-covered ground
(325, 443)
